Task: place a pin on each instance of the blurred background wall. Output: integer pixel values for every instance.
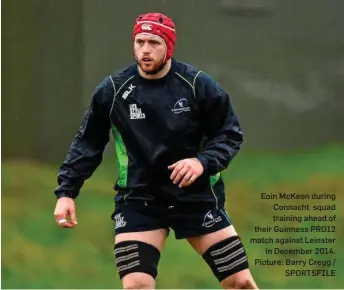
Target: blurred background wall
(282, 62)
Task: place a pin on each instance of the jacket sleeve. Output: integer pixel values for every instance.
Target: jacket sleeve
(86, 151)
(222, 133)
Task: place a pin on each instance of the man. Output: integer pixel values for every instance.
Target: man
(175, 131)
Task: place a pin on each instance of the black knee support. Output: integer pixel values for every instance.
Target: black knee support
(226, 257)
(136, 256)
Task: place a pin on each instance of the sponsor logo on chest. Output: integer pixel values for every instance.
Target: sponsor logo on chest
(136, 112)
(128, 91)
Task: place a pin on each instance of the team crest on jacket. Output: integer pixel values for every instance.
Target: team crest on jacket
(181, 106)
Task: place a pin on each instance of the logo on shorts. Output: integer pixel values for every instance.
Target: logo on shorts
(120, 222)
(210, 219)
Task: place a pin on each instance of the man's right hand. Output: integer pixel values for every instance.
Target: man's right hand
(65, 212)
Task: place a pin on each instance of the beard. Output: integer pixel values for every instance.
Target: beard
(153, 67)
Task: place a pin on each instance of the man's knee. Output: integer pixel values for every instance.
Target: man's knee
(238, 282)
(138, 281)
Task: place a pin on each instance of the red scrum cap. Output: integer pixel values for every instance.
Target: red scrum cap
(159, 25)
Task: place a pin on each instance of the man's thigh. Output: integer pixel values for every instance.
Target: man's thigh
(155, 238)
(225, 254)
(140, 234)
(137, 256)
(204, 242)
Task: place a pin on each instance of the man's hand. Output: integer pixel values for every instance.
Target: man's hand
(186, 171)
(65, 212)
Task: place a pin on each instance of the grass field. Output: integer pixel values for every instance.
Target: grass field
(37, 254)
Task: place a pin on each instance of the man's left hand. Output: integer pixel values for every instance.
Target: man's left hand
(186, 171)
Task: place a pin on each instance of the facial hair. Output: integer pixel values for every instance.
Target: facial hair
(154, 71)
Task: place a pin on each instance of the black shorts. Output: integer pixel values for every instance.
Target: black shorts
(186, 219)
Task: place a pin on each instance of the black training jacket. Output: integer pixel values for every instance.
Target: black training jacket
(154, 124)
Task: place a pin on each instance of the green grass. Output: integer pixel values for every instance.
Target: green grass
(37, 254)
